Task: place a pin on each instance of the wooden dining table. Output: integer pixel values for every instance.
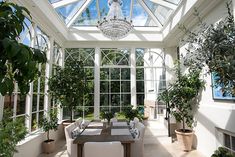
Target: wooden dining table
(105, 136)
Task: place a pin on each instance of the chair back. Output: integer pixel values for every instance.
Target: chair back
(103, 149)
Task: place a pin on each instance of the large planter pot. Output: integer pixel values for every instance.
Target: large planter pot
(48, 146)
(185, 139)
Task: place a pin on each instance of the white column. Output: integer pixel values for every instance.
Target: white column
(97, 84)
(1, 106)
(133, 77)
(233, 8)
(49, 55)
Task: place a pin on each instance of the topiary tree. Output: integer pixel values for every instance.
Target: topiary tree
(69, 85)
(222, 152)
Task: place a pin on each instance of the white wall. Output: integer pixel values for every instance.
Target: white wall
(212, 113)
(32, 145)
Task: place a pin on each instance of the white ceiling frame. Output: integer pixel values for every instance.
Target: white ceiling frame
(84, 6)
(165, 4)
(72, 13)
(63, 3)
(150, 13)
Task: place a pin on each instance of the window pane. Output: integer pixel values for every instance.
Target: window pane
(104, 99)
(9, 101)
(140, 74)
(104, 74)
(104, 86)
(34, 122)
(125, 72)
(233, 143)
(115, 100)
(90, 86)
(115, 74)
(89, 73)
(115, 86)
(125, 86)
(89, 101)
(125, 99)
(41, 102)
(140, 99)
(139, 86)
(34, 107)
(21, 99)
(227, 141)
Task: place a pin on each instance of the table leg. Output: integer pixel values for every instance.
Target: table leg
(79, 150)
(128, 150)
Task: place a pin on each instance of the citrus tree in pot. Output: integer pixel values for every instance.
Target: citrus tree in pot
(48, 123)
(69, 85)
(181, 96)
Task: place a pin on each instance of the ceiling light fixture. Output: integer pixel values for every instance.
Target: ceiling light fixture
(115, 26)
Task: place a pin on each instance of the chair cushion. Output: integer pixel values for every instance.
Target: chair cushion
(75, 132)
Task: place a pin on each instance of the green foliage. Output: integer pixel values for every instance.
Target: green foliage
(222, 152)
(11, 132)
(69, 85)
(50, 122)
(131, 113)
(107, 115)
(18, 62)
(181, 95)
(214, 46)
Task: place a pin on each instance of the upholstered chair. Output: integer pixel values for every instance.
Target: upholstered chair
(137, 148)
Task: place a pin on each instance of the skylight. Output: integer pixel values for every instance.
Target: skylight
(147, 13)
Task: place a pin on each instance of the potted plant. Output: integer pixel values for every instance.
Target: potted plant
(222, 152)
(181, 96)
(108, 115)
(131, 113)
(18, 63)
(69, 85)
(212, 46)
(49, 123)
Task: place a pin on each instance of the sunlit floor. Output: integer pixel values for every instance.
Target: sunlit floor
(156, 144)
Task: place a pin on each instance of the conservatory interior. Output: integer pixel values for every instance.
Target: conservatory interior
(117, 78)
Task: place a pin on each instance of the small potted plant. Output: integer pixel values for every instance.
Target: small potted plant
(131, 113)
(108, 115)
(49, 123)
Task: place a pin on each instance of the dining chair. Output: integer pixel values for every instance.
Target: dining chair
(137, 148)
(103, 149)
(71, 148)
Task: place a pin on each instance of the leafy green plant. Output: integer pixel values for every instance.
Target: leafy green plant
(49, 123)
(69, 85)
(18, 62)
(213, 46)
(222, 152)
(131, 113)
(181, 96)
(107, 115)
(11, 132)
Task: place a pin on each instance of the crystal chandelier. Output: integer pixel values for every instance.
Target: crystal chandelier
(115, 26)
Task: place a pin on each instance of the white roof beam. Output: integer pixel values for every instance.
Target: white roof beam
(150, 13)
(84, 6)
(63, 3)
(165, 4)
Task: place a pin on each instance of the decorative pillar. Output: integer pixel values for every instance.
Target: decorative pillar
(133, 77)
(97, 84)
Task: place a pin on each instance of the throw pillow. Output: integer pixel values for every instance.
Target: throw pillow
(75, 132)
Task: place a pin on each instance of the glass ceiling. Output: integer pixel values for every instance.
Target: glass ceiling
(148, 13)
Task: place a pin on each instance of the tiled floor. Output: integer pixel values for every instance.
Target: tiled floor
(156, 144)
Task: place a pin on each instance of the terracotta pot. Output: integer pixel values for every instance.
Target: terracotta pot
(48, 146)
(185, 139)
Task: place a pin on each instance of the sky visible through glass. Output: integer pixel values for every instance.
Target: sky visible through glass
(140, 16)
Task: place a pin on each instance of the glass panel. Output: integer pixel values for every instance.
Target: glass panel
(233, 143)
(25, 36)
(90, 100)
(115, 56)
(126, 86)
(115, 86)
(115, 74)
(115, 109)
(89, 73)
(104, 74)
(139, 73)
(41, 102)
(140, 57)
(54, 1)
(89, 113)
(140, 99)
(104, 86)
(9, 101)
(162, 13)
(21, 100)
(103, 8)
(125, 72)
(89, 16)
(125, 99)
(34, 107)
(227, 141)
(140, 16)
(34, 122)
(68, 11)
(115, 99)
(104, 99)
(140, 86)
(90, 85)
(173, 1)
